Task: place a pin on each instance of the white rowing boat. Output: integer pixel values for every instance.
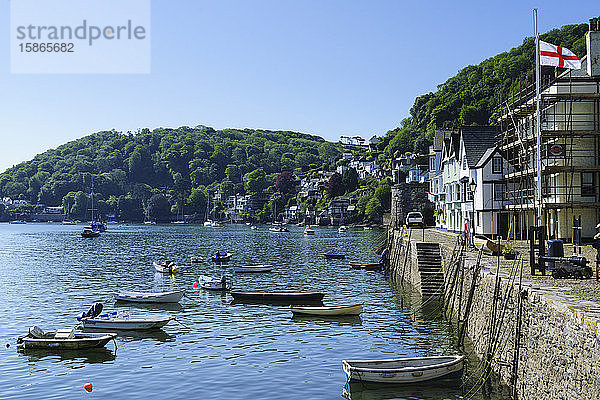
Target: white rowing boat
(212, 283)
(150, 297)
(166, 267)
(405, 370)
(253, 268)
(350, 309)
(122, 320)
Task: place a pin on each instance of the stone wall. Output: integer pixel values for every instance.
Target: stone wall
(559, 346)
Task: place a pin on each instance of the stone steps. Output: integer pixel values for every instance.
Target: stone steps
(429, 263)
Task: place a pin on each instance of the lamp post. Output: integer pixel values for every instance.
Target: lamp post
(472, 187)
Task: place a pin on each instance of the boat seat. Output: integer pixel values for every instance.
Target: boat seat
(64, 334)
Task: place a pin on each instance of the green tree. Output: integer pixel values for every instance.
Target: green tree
(197, 200)
(233, 173)
(130, 209)
(227, 188)
(384, 195)
(255, 181)
(159, 208)
(374, 210)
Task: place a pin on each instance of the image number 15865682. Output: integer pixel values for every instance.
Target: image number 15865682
(47, 47)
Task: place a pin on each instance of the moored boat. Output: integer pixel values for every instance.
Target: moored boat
(308, 230)
(332, 256)
(213, 283)
(222, 256)
(150, 297)
(279, 228)
(253, 268)
(366, 266)
(350, 309)
(289, 297)
(89, 232)
(405, 370)
(342, 229)
(122, 320)
(63, 339)
(166, 267)
(196, 260)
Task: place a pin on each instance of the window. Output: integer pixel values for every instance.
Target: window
(499, 192)
(497, 165)
(464, 162)
(587, 184)
(457, 190)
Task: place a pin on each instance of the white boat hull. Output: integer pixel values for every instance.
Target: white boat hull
(210, 283)
(150, 297)
(405, 370)
(125, 324)
(352, 309)
(165, 269)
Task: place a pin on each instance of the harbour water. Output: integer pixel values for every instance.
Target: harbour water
(215, 349)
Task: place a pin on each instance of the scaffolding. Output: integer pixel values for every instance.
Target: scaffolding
(570, 132)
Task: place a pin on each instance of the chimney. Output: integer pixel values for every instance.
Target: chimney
(592, 41)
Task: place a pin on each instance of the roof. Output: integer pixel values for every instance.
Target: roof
(486, 157)
(477, 140)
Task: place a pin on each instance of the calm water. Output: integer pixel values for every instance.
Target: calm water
(49, 274)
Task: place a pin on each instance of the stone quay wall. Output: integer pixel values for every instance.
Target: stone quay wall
(558, 346)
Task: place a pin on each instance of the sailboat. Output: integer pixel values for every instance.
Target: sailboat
(94, 229)
(211, 223)
(277, 226)
(68, 220)
(182, 220)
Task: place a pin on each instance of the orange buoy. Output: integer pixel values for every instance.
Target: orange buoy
(88, 387)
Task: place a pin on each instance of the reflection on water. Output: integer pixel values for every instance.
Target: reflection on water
(49, 275)
(175, 307)
(73, 357)
(373, 391)
(328, 320)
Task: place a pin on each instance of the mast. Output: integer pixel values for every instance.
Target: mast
(92, 198)
(537, 122)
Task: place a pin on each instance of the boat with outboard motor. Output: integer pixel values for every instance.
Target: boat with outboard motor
(63, 339)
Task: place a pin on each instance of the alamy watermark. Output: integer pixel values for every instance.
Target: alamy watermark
(80, 36)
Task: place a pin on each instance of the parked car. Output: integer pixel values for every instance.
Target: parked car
(414, 219)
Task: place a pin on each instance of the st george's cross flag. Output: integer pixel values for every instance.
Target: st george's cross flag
(558, 56)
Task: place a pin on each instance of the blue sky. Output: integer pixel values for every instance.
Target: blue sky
(326, 67)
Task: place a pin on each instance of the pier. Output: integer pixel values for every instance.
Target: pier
(541, 336)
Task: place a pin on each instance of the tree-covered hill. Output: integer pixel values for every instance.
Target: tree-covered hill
(130, 168)
(475, 92)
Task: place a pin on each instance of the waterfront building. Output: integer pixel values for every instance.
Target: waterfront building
(436, 193)
(570, 148)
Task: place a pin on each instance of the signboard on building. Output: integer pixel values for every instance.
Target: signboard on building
(556, 151)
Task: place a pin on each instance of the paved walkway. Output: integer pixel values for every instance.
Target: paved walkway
(584, 289)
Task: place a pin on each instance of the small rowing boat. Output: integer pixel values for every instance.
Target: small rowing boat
(222, 256)
(405, 370)
(150, 297)
(284, 297)
(196, 260)
(335, 256)
(63, 339)
(165, 267)
(253, 268)
(328, 311)
(212, 283)
(120, 320)
(308, 230)
(365, 266)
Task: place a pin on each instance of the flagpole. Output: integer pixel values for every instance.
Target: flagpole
(537, 122)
